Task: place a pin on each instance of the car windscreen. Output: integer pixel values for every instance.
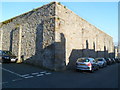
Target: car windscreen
(83, 60)
(108, 59)
(6, 53)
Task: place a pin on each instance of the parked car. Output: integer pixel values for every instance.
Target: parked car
(108, 60)
(86, 63)
(7, 56)
(117, 60)
(113, 60)
(101, 62)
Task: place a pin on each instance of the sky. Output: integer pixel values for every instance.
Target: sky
(103, 15)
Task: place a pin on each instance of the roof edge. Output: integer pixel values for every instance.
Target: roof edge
(11, 19)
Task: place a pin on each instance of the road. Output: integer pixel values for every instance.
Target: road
(28, 76)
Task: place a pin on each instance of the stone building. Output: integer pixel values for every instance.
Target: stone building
(53, 37)
(116, 51)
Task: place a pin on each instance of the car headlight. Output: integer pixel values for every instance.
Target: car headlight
(6, 57)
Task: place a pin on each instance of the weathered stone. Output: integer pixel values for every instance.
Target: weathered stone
(54, 37)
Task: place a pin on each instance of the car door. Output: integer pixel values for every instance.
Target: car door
(94, 63)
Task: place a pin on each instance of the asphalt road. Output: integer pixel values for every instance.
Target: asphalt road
(27, 76)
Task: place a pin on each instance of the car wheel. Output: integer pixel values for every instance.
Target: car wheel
(103, 65)
(98, 68)
(77, 70)
(16, 60)
(92, 70)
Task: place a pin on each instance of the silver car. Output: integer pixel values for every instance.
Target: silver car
(101, 62)
(86, 63)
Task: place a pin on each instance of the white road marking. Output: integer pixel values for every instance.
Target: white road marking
(40, 75)
(16, 80)
(28, 77)
(3, 82)
(25, 75)
(47, 73)
(34, 73)
(11, 72)
(43, 72)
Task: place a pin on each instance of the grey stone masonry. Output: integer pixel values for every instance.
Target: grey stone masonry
(53, 37)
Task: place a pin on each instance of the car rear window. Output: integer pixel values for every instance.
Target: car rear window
(83, 60)
(100, 59)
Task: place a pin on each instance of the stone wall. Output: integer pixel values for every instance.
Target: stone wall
(38, 28)
(0, 38)
(82, 38)
(54, 37)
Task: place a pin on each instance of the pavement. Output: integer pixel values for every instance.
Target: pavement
(28, 76)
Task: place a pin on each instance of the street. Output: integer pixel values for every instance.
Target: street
(28, 76)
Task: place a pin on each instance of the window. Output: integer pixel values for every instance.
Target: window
(6, 53)
(86, 44)
(94, 45)
(83, 60)
(104, 48)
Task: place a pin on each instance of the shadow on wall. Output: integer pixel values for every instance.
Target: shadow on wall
(51, 56)
(36, 59)
(11, 40)
(60, 53)
(78, 53)
(54, 55)
(14, 41)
